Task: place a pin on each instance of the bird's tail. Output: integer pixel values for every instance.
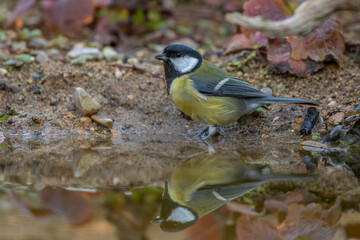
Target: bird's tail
(266, 100)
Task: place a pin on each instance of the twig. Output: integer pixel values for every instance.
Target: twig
(135, 68)
(309, 122)
(307, 16)
(7, 108)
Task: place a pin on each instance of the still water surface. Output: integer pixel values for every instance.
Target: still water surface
(63, 188)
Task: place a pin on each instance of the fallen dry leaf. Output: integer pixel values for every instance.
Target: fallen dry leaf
(310, 222)
(337, 118)
(255, 230)
(327, 40)
(301, 56)
(310, 145)
(21, 8)
(67, 16)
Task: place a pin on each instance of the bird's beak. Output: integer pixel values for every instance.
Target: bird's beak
(157, 220)
(161, 57)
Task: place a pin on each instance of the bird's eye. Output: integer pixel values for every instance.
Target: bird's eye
(178, 54)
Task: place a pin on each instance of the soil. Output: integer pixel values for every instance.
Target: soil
(138, 103)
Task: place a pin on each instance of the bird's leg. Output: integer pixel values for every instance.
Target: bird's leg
(212, 130)
(211, 149)
(201, 132)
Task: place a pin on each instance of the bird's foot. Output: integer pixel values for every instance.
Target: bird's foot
(200, 133)
(211, 131)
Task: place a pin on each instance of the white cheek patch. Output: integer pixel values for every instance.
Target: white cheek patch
(181, 215)
(184, 64)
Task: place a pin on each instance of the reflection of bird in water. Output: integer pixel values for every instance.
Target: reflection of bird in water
(206, 182)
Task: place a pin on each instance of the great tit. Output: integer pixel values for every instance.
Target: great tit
(208, 94)
(206, 182)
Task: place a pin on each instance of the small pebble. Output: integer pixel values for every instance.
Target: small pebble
(57, 123)
(37, 76)
(94, 52)
(85, 121)
(130, 97)
(105, 122)
(252, 129)
(3, 72)
(337, 118)
(299, 121)
(110, 53)
(85, 103)
(118, 73)
(42, 57)
(276, 118)
(332, 103)
(54, 51)
(37, 120)
(14, 88)
(294, 108)
(37, 92)
(133, 61)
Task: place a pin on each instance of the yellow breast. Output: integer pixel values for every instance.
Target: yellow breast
(211, 110)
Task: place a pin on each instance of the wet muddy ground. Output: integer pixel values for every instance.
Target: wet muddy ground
(138, 102)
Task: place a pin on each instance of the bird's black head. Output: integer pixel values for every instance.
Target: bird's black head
(179, 60)
(174, 217)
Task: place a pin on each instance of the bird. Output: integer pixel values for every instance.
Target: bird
(209, 94)
(205, 182)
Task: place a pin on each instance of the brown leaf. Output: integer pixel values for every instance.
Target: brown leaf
(255, 230)
(280, 60)
(241, 208)
(301, 56)
(337, 118)
(309, 222)
(68, 16)
(71, 204)
(274, 10)
(275, 206)
(20, 9)
(295, 197)
(310, 145)
(241, 41)
(325, 41)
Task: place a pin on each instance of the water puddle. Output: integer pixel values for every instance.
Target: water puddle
(166, 187)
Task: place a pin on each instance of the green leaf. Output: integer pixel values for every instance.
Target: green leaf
(3, 55)
(26, 34)
(3, 146)
(139, 17)
(24, 57)
(81, 60)
(315, 136)
(12, 62)
(3, 118)
(183, 30)
(154, 15)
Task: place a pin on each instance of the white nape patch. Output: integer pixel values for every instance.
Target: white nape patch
(221, 83)
(218, 196)
(254, 105)
(184, 64)
(181, 215)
